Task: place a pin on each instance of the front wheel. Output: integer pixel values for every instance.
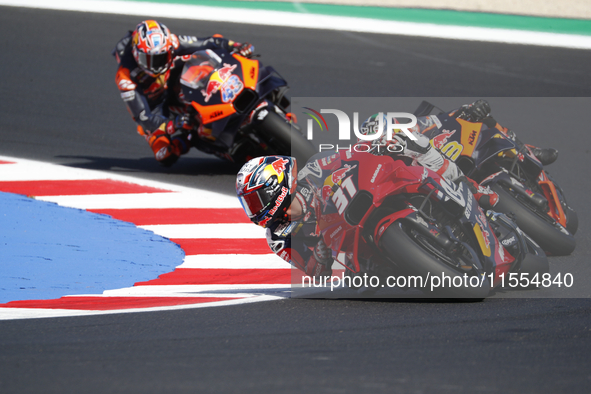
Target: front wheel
(415, 255)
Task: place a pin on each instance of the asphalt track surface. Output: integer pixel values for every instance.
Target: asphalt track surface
(59, 104)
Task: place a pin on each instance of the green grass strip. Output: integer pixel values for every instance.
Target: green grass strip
(441, 17)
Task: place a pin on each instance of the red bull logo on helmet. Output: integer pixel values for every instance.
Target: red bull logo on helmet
(279, 165)
(266, 170)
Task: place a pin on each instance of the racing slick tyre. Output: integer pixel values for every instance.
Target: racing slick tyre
(553, 238)
(572, 220)
(284, 139)
(417, 257)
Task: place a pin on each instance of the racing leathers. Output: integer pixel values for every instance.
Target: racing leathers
(152, 100)
(480, 111)
(422, 152)
(299, 241)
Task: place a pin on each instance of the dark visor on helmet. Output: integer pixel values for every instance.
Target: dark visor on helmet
(155, 63)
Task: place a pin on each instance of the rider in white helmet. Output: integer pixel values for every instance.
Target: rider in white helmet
(422, 153)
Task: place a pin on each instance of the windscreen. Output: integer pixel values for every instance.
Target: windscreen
(198, 68)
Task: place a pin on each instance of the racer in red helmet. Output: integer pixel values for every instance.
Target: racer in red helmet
(267, 189)
(149, 59)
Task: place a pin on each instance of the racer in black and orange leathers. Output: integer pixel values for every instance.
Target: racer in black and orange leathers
(150, 60)
(480, 111)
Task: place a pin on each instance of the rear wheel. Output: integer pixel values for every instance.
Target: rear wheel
(417, 255)
(572, 220)
(553, 238)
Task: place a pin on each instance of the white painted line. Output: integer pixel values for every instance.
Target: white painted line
(235, 261)
(200, 199)
(43, 167)
(232, 230)
(311, 21)
(180, 295)
(171, 290)
(32, 171)
(34, 313)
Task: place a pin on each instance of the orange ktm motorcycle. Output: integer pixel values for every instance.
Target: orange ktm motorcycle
(240, 107)
(491, 157)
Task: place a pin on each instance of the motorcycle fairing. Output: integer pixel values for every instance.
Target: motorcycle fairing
(552, 195)
(472, 219)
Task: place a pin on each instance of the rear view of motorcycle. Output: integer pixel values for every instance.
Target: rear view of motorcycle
(240, 108)
(490, 155)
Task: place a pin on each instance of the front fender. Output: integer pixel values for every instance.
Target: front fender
(412, 218)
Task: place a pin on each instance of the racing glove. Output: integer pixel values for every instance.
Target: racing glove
(183, 122)
(245, 49)
(167, 149)
(320, 262)
(479, 110)
(475, 112)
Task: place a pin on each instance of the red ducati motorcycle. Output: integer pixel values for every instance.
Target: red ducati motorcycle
(379, 212)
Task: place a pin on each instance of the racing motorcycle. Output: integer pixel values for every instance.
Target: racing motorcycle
(492, 158)
(239, 108)
(382, 216)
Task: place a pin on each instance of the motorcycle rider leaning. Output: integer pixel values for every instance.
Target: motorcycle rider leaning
(277, 197)
(272, 198)
(422, 153)
(150, 60)
(479, 111)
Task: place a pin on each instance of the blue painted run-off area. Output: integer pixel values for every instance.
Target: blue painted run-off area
(48, 251)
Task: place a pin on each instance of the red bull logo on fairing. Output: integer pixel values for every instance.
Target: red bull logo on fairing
(335, 179)
(217, 79)
(439, 141)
